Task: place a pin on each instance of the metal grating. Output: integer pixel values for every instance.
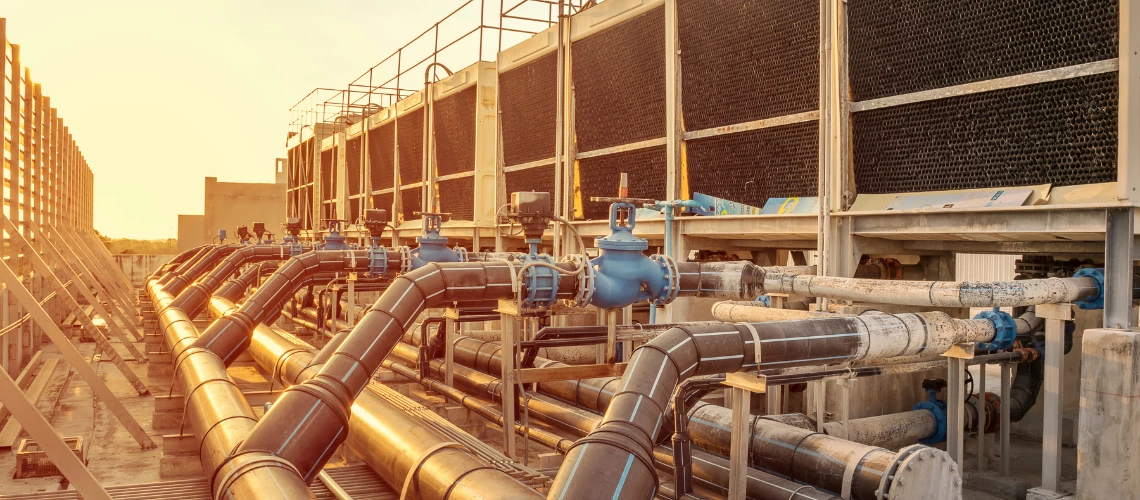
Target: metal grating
(454, 123)
(1061, 132)
(457, 197)
(528, 106)
(601, 176)
(410, 134)
(745, 60)
(902, 47)
(382, 156)
(352, 162)
(383, 201)
(619, 83)
(411, 201)
(750, 167)
(539, 179)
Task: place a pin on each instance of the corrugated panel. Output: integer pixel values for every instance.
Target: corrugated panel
(411, 201)
(1062, 132)
(744, 60)
(601, 176)
(383, 201)
(902, 47)
(457, 197)
(528, 105)
(985, 267)
(750, 167)
(411, 138)
(353, 164)
(540, 179)
(328, 189)
(382, 156)
(619, 83)
(454, 122)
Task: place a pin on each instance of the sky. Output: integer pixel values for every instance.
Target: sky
(161, 94)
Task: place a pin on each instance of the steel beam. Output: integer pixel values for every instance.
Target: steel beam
(72, 355)
(56, 449)
(1055, 316)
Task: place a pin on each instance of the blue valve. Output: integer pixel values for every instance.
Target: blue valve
(1098, 275)
(1005, 330)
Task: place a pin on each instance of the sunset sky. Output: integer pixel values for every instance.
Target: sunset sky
(161, 94)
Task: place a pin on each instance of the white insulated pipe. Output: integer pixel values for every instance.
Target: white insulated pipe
(936, 293)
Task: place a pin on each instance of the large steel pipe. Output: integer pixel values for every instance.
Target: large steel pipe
(228, 336)
(201, 266)
(617, 456)
(313, 415)
(194, 298)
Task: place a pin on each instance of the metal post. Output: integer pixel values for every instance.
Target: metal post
(1118, 258)
(351, 311)
(738, 455)
(845, 399)
(611, 336)
(510, 331)
(820, 404)
(38, 427)
(1055, 316)
(449, 325)
(955, 399)
(981, 426)
(1006, 377)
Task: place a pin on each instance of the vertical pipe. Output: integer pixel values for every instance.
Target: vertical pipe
(510, 333)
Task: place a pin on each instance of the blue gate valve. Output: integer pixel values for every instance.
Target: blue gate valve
(433, 246)
(623, 274)
(935, 407)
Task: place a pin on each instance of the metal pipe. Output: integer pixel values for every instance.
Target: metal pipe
(234, 288)
(617, 456)
(937, 293)
(184, 265)
(195, 297)
(399, 447)
(730, 311)
(326, 397)
(207, 262)
(228, 336)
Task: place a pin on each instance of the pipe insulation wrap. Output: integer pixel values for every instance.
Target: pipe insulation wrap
(936, 293)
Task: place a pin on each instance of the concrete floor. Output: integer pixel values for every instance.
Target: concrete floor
(113, 456)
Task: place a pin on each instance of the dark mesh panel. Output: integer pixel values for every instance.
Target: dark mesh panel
(327, 174)
(601, 176)
(455, 132)
(411, 201)
(308, 173)
(352, 161)
(744, 60)
(457, 197)
(411, 136)
(353, 210)
(750, 167)
(540, 179)
(381, 155)
(619, 83)
(528, 105)
(1061, 132)
(383, 201)
(897, 47)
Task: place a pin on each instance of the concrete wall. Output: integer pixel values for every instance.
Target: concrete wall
(190, 231)
(230, 204)
(138, 266)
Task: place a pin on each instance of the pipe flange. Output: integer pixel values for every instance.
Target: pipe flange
(1097, 274)
(673, 275)
(585, 281)
(377, 261)
(541, 282)
(938, 409)
(463, 254)
(405, 259)
(920, 472)
(1005, 330)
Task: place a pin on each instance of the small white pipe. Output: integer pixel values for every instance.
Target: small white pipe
(935, 293)
(730, 311)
